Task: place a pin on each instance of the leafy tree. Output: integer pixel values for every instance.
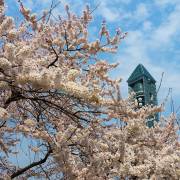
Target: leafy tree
(56, 91)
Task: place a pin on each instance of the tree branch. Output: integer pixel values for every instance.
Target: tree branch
(55, 60)
(21, 171)
(160, 82)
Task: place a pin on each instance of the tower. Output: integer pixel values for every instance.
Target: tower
(144, 85)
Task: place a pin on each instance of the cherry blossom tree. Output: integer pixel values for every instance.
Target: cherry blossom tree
(56, 91)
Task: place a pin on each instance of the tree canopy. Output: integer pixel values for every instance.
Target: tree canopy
(56, 90)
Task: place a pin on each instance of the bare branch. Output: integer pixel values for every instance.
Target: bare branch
(34, 164)
(160, 82)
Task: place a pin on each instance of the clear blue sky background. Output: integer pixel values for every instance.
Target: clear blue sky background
(153, 39)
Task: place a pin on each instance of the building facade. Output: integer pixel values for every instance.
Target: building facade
(144, 85)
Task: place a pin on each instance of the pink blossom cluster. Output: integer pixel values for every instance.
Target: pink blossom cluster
(55, 90)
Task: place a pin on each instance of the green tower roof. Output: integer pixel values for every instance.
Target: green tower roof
(138, 73)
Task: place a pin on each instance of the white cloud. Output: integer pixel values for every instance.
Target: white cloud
(140, 14)
(152, 37)
(168, 29)
(164, 3)
(108, 12)
(141, 11)
(147, 26)
(138, 47)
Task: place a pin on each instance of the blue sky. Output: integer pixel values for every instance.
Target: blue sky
(153, 39)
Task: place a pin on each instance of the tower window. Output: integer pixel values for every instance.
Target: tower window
(151, 96)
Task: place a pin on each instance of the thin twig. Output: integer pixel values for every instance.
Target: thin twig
(95, 7)
(50, 11)
(172, 102)
(160, 82)
(34, 164)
